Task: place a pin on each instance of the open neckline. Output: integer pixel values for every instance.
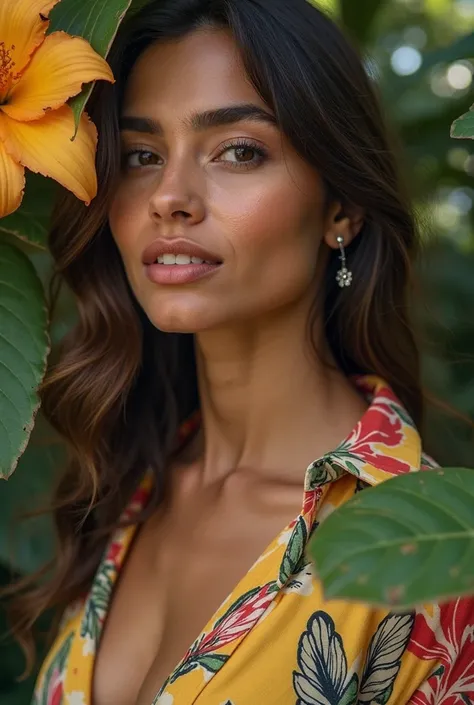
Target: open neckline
(385, 422)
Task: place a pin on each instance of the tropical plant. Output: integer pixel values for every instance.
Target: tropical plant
(39, 120)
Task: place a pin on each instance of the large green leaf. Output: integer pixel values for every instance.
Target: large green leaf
(31, 221)
(24, 347)
(95, 20)
(408, 541)
(463, 127)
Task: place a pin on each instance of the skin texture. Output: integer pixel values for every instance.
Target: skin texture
(269, 406)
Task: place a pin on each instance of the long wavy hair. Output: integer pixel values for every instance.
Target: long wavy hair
(113, 392)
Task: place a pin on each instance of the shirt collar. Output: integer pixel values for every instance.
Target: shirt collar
(384, 443)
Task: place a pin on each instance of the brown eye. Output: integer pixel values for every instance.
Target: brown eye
(140, 158)
(146, 158)
(244, 154)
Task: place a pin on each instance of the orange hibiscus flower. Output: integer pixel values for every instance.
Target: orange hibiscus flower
(38, 74)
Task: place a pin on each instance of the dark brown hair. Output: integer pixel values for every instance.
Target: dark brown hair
(113, 392)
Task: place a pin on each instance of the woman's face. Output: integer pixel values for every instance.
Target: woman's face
(237, 189)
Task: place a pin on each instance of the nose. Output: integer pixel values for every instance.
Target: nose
(176, 197)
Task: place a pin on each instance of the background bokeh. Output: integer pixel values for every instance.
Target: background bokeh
(421, 54)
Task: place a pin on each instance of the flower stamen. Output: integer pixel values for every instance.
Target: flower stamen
(6, 68)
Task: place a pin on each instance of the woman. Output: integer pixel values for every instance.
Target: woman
(242, 282)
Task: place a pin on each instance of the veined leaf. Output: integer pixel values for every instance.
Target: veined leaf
(24, 347)
(95, 20)
(463, 127)
(408, 541)
(30, 222)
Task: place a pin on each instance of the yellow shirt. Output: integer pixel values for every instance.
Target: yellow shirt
(275, 640)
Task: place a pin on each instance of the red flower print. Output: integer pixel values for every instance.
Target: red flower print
(447, 636)
(55, 692)
(381, 429)
(311, 499)
(113, 552)
(237, 621)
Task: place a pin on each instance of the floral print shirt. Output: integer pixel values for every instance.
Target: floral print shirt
(275, 640)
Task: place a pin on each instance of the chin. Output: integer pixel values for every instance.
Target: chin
(184, 323)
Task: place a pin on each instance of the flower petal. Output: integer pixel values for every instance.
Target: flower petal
(23, 25)
(45, 146)
(12, 183)
(56, 72)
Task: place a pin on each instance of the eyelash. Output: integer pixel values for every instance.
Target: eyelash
(234, 144)
(247, 144)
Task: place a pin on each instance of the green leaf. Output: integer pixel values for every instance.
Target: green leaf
(24, 347)
(31, 221)
(463, 127)
(407, 541)
(95, 20)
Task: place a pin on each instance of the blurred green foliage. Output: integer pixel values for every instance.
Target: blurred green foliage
(396, 36)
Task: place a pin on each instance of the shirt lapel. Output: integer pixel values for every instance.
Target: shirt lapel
(384, 443)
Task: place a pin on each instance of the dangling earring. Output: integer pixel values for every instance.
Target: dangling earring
(344, 276)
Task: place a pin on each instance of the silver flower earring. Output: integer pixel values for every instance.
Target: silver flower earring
(344, 276)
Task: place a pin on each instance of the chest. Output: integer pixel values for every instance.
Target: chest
(183, 564)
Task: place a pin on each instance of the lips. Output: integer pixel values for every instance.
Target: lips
(181, 246)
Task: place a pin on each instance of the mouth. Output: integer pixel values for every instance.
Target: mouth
(184, 272)
(182, 260)
(178, 253)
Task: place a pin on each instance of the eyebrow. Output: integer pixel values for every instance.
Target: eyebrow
(198, 122)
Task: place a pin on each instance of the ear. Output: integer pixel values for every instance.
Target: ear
(345, 221)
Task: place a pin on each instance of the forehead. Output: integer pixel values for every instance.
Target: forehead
(202, 70)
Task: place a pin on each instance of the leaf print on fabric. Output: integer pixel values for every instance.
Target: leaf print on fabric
(323, 664)
(294, 551)
(322, 472)
(303, 579)
(427, 462)
(97, 604)
(404, 415)
(52, 686)
(54, 693)
(384, 657)
(239, 619)
(236, 605)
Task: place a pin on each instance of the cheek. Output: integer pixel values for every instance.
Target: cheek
(127, 218)
(276, 229)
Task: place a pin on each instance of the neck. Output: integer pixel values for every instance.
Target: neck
(269, 404)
